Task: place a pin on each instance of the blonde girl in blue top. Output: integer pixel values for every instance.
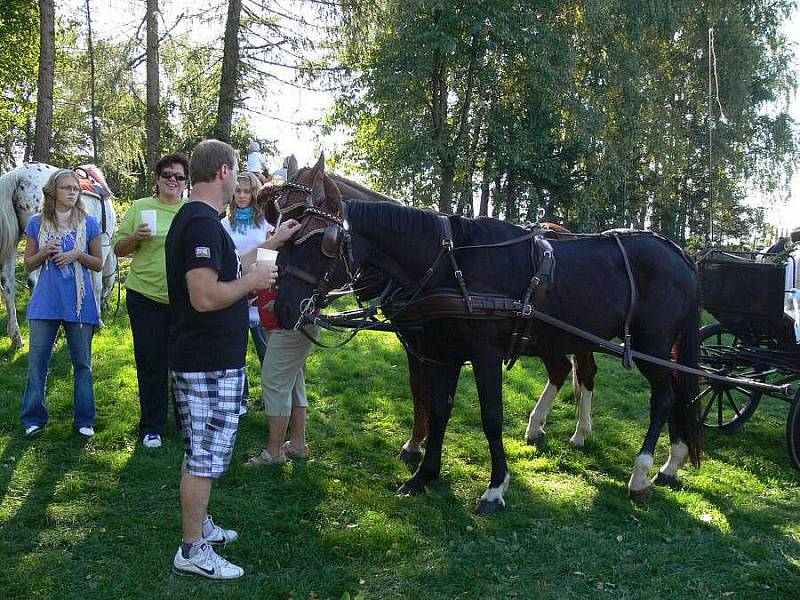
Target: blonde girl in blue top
(65, 242)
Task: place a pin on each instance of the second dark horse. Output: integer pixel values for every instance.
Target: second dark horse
(558, 367)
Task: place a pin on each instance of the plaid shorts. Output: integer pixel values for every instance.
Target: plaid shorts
(208, 408)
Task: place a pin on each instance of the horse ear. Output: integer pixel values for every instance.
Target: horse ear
(320, 166)
(291, 167)
(318, 189)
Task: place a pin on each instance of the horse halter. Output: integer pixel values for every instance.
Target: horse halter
(335, 244)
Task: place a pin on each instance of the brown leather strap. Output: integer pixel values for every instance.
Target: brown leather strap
(447, 241)
(627, 359)
(541, 255)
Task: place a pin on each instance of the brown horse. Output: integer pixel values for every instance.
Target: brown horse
(557, 367)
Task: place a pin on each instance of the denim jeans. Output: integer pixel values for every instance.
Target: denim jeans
(260, 342)
(42, 339)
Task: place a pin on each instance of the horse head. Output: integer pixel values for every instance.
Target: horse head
(27, 197)
(314, 261)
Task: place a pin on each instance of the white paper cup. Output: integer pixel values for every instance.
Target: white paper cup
(266, 256)
(151, 218)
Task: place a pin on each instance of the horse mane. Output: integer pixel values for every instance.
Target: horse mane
(367, 193)
(392, 218)
(408, 221)
(9, 225)
(483, 230)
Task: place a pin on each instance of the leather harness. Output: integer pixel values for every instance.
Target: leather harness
(418, 307)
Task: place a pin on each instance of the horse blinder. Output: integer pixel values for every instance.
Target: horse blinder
(331, 240)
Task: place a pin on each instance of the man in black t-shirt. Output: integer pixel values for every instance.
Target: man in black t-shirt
(207, 347)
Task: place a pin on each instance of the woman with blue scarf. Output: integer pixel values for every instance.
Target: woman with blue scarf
(244, 221)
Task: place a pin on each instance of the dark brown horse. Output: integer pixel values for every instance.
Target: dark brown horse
(558, 367)
(607, 286)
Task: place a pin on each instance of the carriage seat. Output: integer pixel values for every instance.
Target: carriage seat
(791, 296)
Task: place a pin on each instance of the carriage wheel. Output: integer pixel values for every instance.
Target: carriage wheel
(793, 431)
(724, 406)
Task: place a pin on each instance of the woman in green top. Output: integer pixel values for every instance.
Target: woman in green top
(142, 234)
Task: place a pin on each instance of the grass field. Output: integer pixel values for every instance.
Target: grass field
(100, 519)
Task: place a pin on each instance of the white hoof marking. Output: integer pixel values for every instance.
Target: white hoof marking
(641, 467)
(414, 447)
(539, 414)
(678, 453)
(495, 494)
(583, 428)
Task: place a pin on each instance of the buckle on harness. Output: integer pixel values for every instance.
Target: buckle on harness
(527, 310)
(447, 243)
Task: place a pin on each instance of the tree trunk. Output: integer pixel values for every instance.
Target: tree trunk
(44, 96)
(483, 209)
(465, 202)
(29, 140)
(497, 196)
(230, 72)
(446, 189)
(152, 123)
(92, 99)
(512, 212)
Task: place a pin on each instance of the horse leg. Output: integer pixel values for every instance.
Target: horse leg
(661, 399)
(33, 279)
(444, 380)
(558, 368)
(97, 285)
(488, 367)
(411, 453)
(8, 284)
(109, 271)
(685, 431)
(678, 455)
(583, 386)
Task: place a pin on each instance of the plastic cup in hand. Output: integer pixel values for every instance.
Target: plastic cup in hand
(266, 257)
(150, 217)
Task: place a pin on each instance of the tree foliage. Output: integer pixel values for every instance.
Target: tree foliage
(596, 112)
(19, 51)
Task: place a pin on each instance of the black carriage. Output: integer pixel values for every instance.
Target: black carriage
(754, 338)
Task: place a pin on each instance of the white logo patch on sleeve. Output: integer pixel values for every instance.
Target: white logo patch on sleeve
(202, 252)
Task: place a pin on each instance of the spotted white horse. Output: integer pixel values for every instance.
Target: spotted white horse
(20, 199)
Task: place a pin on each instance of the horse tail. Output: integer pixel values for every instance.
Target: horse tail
(685, 411)
(9, 225)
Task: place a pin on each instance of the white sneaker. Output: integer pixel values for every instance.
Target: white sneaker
(151, 440)
(205, 563)
(33, 429)
(219, 535)
(86, 431)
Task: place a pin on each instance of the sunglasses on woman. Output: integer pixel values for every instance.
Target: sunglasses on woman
(170, 175)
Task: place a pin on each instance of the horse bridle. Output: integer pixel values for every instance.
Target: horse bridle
(335, 238)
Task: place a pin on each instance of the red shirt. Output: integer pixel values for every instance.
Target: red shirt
(268, 319)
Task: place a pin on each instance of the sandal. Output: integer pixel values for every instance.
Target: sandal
(295, 452)
(265, 458)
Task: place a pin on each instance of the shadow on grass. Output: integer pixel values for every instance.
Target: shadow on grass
(103, 520)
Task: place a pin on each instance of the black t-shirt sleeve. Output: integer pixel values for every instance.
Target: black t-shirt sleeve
(203, 245)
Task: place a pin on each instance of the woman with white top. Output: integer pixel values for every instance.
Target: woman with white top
(245, 222)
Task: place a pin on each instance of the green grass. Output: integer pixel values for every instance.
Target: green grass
(101, 520)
